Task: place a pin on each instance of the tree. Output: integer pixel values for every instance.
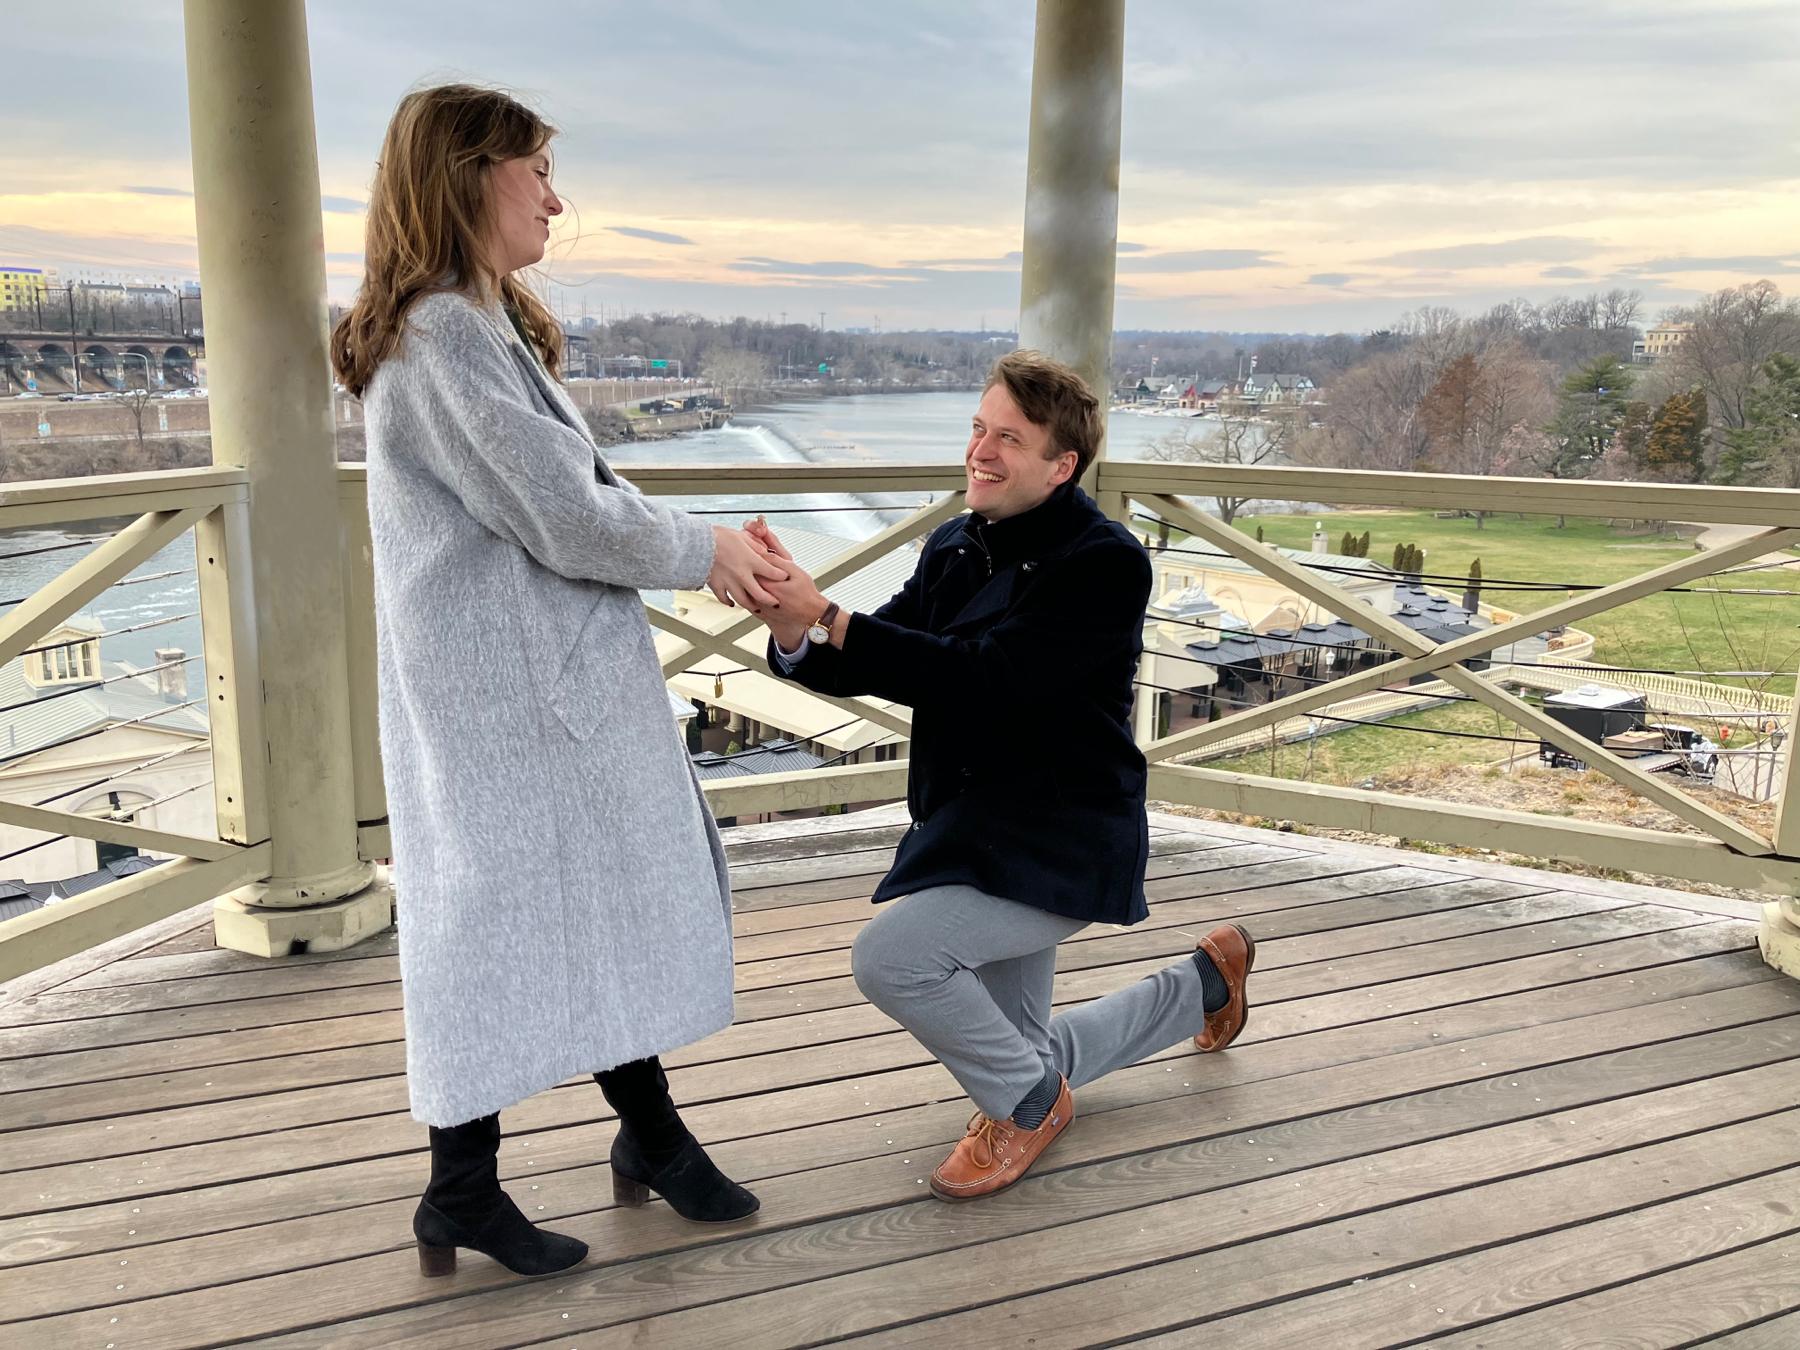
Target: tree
(1472, 591)
(1588, 416)
(1229, 440)
(1362, 545)
(1674, 450)
(1372, 415)
(1766, 449)
(1449, 411)
(1734, 333)
(136, 402)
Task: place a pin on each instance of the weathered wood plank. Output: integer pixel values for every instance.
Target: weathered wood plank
(562, 1154)
(625, 1302)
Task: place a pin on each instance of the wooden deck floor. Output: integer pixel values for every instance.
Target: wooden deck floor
(1475, 1106)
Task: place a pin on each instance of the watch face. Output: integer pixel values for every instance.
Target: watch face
(818, 633)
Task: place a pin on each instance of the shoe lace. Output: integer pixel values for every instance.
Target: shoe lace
(988, 1136)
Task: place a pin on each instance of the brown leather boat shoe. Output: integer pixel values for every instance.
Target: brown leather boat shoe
(1233, 951)
(996, 1153)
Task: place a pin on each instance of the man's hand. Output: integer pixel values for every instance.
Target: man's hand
(741, 568)
(801, 604)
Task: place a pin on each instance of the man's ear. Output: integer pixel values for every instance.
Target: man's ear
(1065, 468)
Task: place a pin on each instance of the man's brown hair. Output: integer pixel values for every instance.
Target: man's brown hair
(1052, 395)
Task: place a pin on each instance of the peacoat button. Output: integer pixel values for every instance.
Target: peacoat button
(918, 825)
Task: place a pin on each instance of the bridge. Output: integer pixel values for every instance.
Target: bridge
(47, 362)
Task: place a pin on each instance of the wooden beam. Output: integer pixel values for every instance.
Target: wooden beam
(71, 926)
(1476, 644)
(1443, 491)
(701, 640)
(24, 817)
(90, 576)
(1404, 639)
(1595, 843)
(774, 480)
(810, 788)
(844, 565)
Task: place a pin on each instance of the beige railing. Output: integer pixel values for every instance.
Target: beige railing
(214, 504)
(163, 506)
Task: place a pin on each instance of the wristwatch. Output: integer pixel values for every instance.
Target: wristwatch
(820, 632)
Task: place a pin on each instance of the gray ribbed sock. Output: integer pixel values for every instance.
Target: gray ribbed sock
(1214, 992)
(1030, 1113)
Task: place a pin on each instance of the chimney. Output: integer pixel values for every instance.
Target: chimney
(171, 682)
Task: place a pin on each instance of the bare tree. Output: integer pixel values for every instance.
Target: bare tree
(735, 372)
(1735, 332)
(1227, 440)
(136, 402)
(1372, 417)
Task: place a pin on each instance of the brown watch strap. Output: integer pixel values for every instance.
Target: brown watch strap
(829, 616)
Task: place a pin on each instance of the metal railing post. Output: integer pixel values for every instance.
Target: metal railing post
(1779, 934)
(257, 211)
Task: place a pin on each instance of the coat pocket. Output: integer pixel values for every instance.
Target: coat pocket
(588, 685)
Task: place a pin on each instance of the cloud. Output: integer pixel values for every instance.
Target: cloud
(1549, 248)
(1570, 272)
(1132, 248)
(1012, 259)
(160, 191)
(784, 267)
(1197, 260)
(1334, 278)
(654, 236)
(345, 206)
(1744, 262)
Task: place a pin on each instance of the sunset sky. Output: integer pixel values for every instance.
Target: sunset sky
(1305, 167)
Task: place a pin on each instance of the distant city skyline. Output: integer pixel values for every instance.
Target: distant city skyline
(1327, 168)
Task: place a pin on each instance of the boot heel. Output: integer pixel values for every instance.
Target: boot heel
(631, 1194)
(436, 1261)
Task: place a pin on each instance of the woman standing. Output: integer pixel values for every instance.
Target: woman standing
(564, 899)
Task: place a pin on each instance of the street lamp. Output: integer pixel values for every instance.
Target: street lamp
(150, 380)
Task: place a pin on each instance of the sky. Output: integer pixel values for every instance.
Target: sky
(1310, 167)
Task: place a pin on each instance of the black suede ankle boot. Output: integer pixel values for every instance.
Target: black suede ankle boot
(465, 1207)
(654, 1151)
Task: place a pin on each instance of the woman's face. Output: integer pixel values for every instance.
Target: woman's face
(520, 204)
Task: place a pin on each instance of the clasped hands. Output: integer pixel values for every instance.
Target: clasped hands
(753, 569)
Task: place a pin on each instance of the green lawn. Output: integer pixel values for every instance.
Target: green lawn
(1352, 754)
(1677, 632)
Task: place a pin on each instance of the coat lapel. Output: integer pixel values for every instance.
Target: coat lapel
(557, 398)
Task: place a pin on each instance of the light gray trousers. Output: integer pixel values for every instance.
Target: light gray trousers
(970, 975)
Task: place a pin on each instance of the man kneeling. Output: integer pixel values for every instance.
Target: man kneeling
(1015, 643)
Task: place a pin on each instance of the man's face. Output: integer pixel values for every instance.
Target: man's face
(1007, 468)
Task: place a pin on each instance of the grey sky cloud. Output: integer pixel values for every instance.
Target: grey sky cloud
(1550, 248)
(1569, 272)
(1220, 126)
(1745, 262)
(1197, 260)
(1012, 259)
(160, 191)
(348, 206)
(654, 236)
(784, 267)
(1333, 278)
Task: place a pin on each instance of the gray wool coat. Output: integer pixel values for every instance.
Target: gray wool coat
(563, 899)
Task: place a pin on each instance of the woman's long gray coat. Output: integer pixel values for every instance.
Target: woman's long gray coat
(563, 900)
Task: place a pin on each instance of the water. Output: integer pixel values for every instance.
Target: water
(929, 428)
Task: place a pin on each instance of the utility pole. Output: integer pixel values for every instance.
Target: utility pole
(74, 342)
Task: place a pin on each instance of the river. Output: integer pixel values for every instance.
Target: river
(929, 428)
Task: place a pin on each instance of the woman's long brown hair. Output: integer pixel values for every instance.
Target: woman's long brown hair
(428, 217)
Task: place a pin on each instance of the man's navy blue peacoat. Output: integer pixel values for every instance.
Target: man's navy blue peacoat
(1015, 643)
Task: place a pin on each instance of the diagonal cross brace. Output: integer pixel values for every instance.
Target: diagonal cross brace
(91, 575)
(1476, 644)
(714, 644)
(845, 564)
(1443, 659)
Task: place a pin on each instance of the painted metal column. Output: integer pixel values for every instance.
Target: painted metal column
(1072, 191)
(256, 202)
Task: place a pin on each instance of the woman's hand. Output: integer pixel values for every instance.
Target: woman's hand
(740, 564)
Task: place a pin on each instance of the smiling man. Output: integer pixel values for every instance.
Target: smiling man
(1015, 643)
